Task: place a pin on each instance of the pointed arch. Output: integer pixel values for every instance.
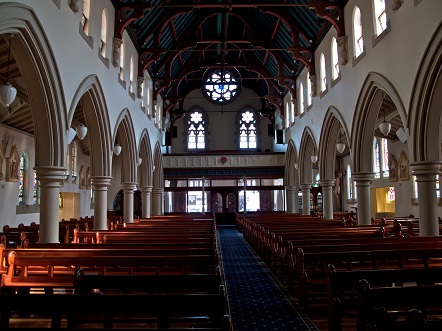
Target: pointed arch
(37, 64)
(366, 114)
(158, 182)
(291, 157)
(426, 103)
(333, 122)
(97, 122)
(306, 149)
(145, 152)
(124, 134)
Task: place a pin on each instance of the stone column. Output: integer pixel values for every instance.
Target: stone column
(49, 178)
(306, 198)
(425, 173)
(327, 197)
(363, 182)
(100, 185)
(157, 201)
(145, 200)
(128, 189)
(292, 199)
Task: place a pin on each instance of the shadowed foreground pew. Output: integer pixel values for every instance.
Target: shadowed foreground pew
(153, 310)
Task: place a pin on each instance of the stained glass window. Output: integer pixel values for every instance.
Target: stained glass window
(73, 160)
(196, 131)
(21, 179)
(247, 130)
(35, 189)
(391, 195)
(221, 86)
(377, 160)
(385, 167)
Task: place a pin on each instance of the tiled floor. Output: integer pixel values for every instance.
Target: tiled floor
(257, 300)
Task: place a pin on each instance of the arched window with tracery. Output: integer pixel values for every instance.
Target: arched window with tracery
(376, 159)
(358, 41)
(308, 83)
(334, 59)
(301, 98)
(85, 16)
(221, 86)
(323, 74)
(103, 33)
(380, 16)
(196, 130)
(22, 179)
(247, 130)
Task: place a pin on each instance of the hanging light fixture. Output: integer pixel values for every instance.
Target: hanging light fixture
(296, 166)
(117, 149)
(314, 157)
(384, 126)
(81, 131)
(139, 161)
(7, 91)
(340, 146)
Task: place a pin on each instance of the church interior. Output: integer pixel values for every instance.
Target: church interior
(238, 158)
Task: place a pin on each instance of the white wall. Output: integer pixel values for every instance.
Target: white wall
(397, 57)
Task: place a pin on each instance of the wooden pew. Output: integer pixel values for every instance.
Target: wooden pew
(85, 283)
(311, 266)
(49, 269)
(382, 308)
(110, 309)
(342, 287)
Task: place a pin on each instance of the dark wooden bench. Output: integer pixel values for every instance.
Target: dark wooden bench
(109, 309)
(85, 283)
(342, 287)
(49, 269)
(383, 308)
(311, 266)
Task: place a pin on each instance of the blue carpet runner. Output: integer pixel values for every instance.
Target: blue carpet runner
(256, 299)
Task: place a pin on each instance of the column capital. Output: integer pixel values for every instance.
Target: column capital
(157, 190)
(146, 189)
(292, 188)
(129, 186)
(426, 170)
(50, 176)
(363, 177)
(327, 183)
(101, 180)
(305, 187)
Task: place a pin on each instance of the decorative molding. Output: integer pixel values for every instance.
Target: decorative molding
(12, 165)
(393, 168)
(221, 161)
(404, 169)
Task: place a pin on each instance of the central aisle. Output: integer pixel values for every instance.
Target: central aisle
(257, 300)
